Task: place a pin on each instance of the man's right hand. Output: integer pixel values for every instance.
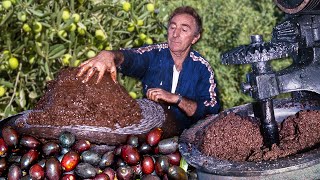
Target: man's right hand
(103, 62)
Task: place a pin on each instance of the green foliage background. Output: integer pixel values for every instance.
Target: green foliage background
(227, 24)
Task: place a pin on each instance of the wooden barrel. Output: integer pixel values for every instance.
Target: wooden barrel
(298, 6)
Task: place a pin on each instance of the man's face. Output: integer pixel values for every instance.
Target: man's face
(182, 33)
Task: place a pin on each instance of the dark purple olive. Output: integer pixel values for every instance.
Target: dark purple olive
(29, 142)
(124, 173)
(69, 177)
(147, 164)
(29, 158)
(51, 149)
(10, 136)
(137, 169)
(36, 172)
(133, 140)
(145, 148)
(174, 158)
(107, 159)
(91, 157)
(130, 154)
(70, 160)
(3, 148)
(154, 136)
(150, 177)
(119, 162)
(169, 145)
(67, 139)
(110, 172)
(81, 145)
(117, 150)
(101, 176)
(14, 172)
(53, 169)
(3, 165)
(177, 173)
(162, 165)
(85, 170)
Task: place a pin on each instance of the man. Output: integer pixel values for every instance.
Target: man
(171, 73)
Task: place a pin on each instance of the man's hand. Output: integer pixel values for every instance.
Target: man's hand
(101, 63)
(158, 95)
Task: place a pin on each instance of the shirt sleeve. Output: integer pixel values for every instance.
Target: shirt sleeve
(136, 62)
(207, 94)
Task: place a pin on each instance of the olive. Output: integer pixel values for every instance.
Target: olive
(29, 142)
(69, 177)
(133, 140)
(70, 160)
(117, 150)
(169, 145)
(64, 150)
(91, 157)
(130, 154)
(137, 169)
(51, 148)
(154, 136)
(147, 164)
(14, 158)
(3, 165)
(53, 169)
(177, 173)
(101, 176)
(162, 165)
(119, 162)
(145, 148)
(110, 172)
(174, 158)
(29, 158)
(10, 136)
(107, 159)
(67, 139)
(14, 172)
(36, 172)
(81, 145)
(3, 148)
(150, 177)
(85, 170)
(124, 173)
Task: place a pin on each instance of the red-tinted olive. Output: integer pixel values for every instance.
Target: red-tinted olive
(14, 172)
(162, 165)
(147, 165)
(10, 136)
(154, 136)
(53, 169)
(67, 139)
(69, 177)
(110, 172)
(3, 148)
(36, 172)
(101, 176)
(3, 165)
(124, 173)
(70, 160)
(130, 155)
(51, 148)
(29, 158)
(81, 145)
(174, 158)
(177, 173)
(169, 145)
(29, 142)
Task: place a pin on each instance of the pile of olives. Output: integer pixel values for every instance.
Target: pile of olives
(26, 157)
